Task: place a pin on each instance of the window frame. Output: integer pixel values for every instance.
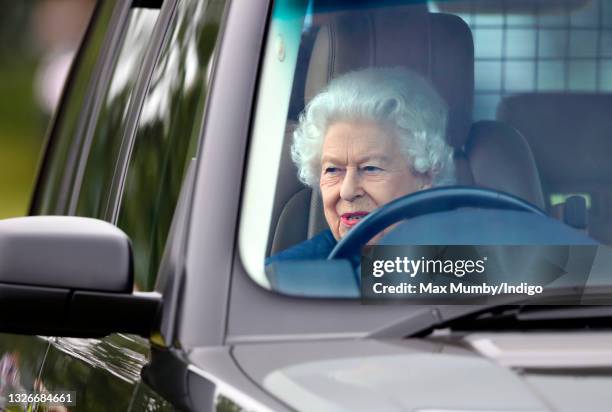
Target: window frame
(141, 88)
(133, 111)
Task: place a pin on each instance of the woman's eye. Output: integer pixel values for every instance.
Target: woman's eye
(371, 169)
(331, 170)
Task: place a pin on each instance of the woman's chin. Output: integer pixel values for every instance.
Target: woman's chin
(344, 230)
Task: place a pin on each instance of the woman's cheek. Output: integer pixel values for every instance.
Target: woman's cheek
(333, 221)
(328, 181)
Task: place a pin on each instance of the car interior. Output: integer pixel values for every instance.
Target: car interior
(550, 148)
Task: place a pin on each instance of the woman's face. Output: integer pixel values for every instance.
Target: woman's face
(362, 169)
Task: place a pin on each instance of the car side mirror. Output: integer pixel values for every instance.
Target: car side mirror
(69, 276)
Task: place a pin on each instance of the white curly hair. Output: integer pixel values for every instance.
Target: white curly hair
(394, 96)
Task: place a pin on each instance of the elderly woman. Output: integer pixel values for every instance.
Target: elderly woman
(370, 137)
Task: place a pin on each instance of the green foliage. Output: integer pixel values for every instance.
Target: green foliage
(22, 127)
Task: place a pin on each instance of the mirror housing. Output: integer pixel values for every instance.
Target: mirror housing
(69, 276)
(67, 252)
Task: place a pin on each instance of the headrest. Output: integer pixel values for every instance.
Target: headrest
(569, 134)
(438, 46)
(500, 158)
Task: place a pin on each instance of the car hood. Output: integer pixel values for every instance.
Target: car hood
(478, 372)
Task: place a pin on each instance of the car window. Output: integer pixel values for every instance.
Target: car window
(562, 47)
(96, 171)
(167, 134)
(361, 104)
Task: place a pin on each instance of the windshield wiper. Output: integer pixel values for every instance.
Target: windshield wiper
(528, 317)
(501, 317)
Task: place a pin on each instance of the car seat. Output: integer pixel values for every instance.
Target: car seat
(438, 46)
(569, 134)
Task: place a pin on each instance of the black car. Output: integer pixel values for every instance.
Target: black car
(167, 188)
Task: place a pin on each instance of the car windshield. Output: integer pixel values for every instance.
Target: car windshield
(480, 123)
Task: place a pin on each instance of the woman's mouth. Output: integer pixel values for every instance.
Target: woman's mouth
(352, 218)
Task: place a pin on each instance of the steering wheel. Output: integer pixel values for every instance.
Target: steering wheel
(425, 202)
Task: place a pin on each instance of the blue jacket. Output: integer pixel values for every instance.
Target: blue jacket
(317, 247)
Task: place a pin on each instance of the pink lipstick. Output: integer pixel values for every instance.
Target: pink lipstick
(352, 218)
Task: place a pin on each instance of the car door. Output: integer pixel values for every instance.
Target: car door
(133, 152)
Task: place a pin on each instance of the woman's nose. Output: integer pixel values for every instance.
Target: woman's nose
(351, 185)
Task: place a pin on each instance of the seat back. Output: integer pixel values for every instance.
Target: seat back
(569, 134)
(574, 124)
(499, 157)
